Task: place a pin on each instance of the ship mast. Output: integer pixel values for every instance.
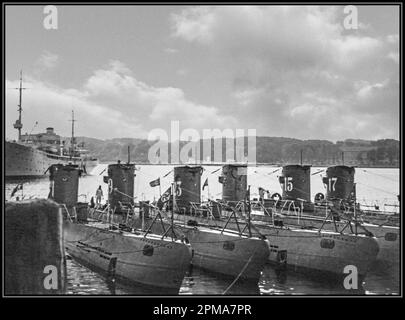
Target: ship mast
(18, 124)
(72, 140)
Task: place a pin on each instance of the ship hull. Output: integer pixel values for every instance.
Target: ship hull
(23, 161)
(301, 250)
(123, 256)
(227, 254)
(387, 237)
(224, 253)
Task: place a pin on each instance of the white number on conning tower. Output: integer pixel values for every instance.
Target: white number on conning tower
(110, 186)
(288, 185)
(332, 183)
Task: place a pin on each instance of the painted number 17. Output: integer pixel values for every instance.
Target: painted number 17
(332, 183)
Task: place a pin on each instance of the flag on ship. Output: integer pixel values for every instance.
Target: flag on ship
(16, 188)
(155, 183)
(205, 184)
(166, 195)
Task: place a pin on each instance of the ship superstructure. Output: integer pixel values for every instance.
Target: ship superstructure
(32, 154)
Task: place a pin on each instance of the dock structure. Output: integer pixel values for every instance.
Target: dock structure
(34, 259)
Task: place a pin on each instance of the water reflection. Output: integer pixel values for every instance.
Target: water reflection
(200, 282)
(83, 281)
(383, 282)
(276, 281)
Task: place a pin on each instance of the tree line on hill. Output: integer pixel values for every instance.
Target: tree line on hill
(270, 150)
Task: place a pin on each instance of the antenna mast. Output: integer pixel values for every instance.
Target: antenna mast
(18, 124)
(72, 140)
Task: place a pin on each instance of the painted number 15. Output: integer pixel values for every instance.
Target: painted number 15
(288, 185)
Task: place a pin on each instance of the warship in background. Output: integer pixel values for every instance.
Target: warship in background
(32, 154)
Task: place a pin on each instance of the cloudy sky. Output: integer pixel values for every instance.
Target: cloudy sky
(291, 71)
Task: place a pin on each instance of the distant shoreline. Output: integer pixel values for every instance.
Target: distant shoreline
(256, 165)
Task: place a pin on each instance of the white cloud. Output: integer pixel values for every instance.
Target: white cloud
(195, 24)
(368, 89)
(171, 50)
(51, 106)
(394, 56)
(47, 60)
(247, 96)
(297, 72)
(393, 38)
(112, 103)
(393, 42)
(284, 70)
(182, 72)
(349, 51)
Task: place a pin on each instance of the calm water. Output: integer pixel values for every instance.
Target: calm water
(374, 186)
(82, 281)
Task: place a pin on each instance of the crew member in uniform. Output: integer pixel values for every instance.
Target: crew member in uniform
(99, 195)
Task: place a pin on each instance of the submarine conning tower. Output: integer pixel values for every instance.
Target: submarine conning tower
(120, 180)
(339, 183)
(188, 180)
(234, 182)
(295, 181)
(64, 184)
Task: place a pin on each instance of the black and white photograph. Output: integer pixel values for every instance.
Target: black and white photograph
(181, 150)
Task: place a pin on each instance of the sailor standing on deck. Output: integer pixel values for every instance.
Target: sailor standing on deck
(261, 194)
(99, 195)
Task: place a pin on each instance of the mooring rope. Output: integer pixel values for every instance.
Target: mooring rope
(124, 194)
(240, 273)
